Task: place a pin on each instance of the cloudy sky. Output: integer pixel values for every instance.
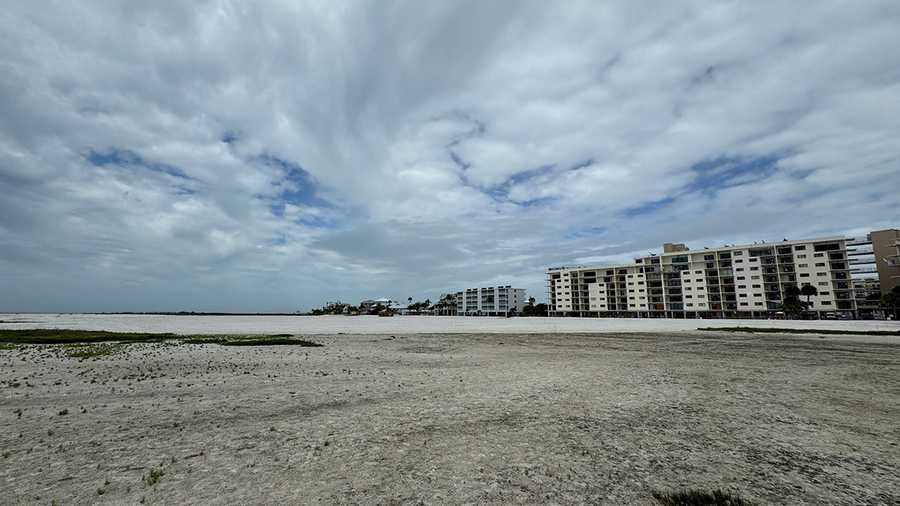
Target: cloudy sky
(270, 156)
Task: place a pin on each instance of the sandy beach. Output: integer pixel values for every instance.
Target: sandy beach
(403, 324)
(531, 418)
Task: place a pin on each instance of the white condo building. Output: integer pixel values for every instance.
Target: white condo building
(490, 301)
(731, 281)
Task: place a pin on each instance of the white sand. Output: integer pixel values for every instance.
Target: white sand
(455, 419)
(398, 324)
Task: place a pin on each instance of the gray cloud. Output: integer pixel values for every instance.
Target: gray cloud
(420, 147)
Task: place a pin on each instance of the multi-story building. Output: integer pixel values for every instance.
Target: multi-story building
(730, 281)
(867, 294)
(886, 250)
(490, 301)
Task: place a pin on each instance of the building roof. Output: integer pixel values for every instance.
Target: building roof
(730, 247)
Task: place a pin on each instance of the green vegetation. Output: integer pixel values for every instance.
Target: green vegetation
(891, 301)
(154, 476)
(269, 341)
(90, 344)
(92, 350)
(700, 498)
(65, 336)
(773, 330)
(534, 310)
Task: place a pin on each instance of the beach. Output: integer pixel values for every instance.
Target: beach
(462, 418)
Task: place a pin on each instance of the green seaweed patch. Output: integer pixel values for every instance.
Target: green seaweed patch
(776, 330)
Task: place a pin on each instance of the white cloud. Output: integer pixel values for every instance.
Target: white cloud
(584, 111)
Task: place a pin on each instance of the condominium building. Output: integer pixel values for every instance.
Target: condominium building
(490, 301)
(886, 256)
(730, 281)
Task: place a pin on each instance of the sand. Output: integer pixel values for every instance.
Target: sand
(453, 419)
(400, 324)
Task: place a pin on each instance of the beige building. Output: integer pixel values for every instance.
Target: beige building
(730, 281)
(490, 301)
(886, 252)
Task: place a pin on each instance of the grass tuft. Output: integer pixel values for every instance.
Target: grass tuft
(700, 498)
(154, 476)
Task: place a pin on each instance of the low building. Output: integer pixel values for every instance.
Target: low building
(370, 306)
(490, 301)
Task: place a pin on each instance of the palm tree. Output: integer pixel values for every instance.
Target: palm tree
(791, 304)
(427, 303)
(808, 291)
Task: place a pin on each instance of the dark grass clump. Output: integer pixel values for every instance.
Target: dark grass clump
(64, 336)
(700, 498)
(775, 330)
(269, 341)
(92, 343)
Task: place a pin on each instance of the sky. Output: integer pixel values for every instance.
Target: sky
(275, 155)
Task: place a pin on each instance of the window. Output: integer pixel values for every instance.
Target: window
(757, 286)
(823, 283)
(826, 302)
(759, 303)
(738, 261)
(742, 286)
(745, 303)
(801, 256)
(802, 265)
(821, 274)
(754, 268)
(819, 255)
(698, 272)
(754, 277)
(738, 253)
(824, 293)
(800, 248)
(739, 269)
(743, 295)
(741, 278)
(804, 275)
